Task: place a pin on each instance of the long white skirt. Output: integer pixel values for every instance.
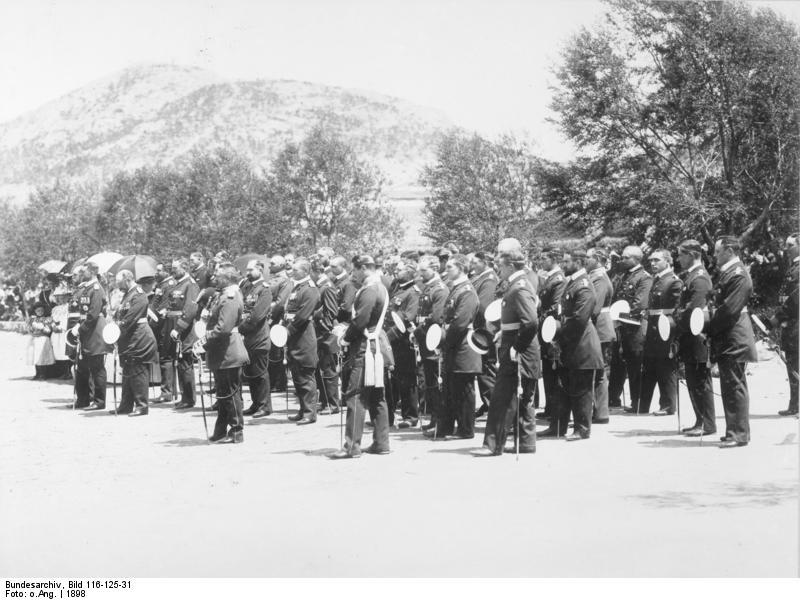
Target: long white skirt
(40, 351)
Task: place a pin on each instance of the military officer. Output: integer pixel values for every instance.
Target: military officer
(550, 298)
(345, 286)
(404, 302)
(484, 280)
(280, 286)
(431, 309)
(201, 274)
(90, 372)
(226, 355)
(325, 314)
(461, 364)
(634, 287)
(580, 356)
(137, 346)
(254, 328)
(518, 347)
(301, 346)
(786, 319)
(660, 357)
(159, 303)
(693, 350)
(179, 331)
(604, 290)
(362, 382)
(732, 341)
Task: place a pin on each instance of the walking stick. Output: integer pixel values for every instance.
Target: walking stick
(175, 371)
(439, 387)
(678, 402)
(286, 372)
(203, 398)
(519, 399)
(341, 400)
(115, 381)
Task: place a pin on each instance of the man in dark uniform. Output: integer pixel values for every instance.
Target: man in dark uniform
(301, 345)
(693, 349)
(580, 356)
(363, 383)
(484, 280)
(325, 314)
(158, 306)
(518, 347)
(431, 310)
(280, 286)
(604, 290)
(660, 357)
(345, 286)
(226, 355)
(255, 331)
(461, 363)
(786, 318)
(179, 325)
(634, 287)
(550, 298)
(732, 341)
(90, 372)
(402, 384)
(202, 275)
(137, 346)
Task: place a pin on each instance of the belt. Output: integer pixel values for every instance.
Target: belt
(73, 315)
(174, 313)
(142, 321)
(605, 309)
(660, 311)
(510, 326)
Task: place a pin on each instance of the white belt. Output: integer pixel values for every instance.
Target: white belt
(510, 326)
(73, 315)
(142, 321)
(660, 311)
(606, 309)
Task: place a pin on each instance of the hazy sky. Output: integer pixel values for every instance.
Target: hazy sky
(486, 64)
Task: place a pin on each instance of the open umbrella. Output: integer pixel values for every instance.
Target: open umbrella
(72, 265)
(104, 260)
(141, 265)
(52, 266)
(241, 261)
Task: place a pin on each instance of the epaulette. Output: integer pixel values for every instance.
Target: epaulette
(584, 283)
(416, 287)
(96, 286)
(231, 294)
(739, 271)
(521, 282)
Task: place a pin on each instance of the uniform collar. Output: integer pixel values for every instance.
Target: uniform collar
(139, 289)
(552, 271)
(579, 273)
(698, 265)
(321, 281)
(729, 264)
(486, 271)
(635, 268)
(303, 280)
(460, 279)
(259, 280)
(796, 260)
(340, 276)
(436, 278)
(405, 284)
(662, 273)
(516, 275)
(601, 270)
(230, 289)
(182, 279)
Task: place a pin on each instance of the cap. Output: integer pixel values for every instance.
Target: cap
(688, 246)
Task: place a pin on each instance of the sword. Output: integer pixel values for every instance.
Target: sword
(203, 398)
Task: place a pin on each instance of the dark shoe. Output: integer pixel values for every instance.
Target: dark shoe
(431, 425)
(140, 412)
(481, 411)
(575, 437)
(513, 450)
(262, 412)
(596, 421)
(458, 436)
(699, 432)
(183, 406)
(630, 410)
(343, 454)
(236, 437)
(724, 438)
(542, 415)
(375, 450)
(789, 412)
(253, 409)
(407, 424)
(328, 410)
(549, 432)
(306, 421)
(692, 428)
(95, 406)
(484, 452)
(295, 417)
(119, 412)
(732, 444)
(218, 439)
(663, 412)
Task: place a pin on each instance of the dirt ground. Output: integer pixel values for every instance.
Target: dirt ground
(91, 494)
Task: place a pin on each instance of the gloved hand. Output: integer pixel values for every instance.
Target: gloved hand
(174, 335)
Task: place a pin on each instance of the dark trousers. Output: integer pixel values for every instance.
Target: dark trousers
(229, 401)
(488, 375)
(360, 400)
(256, 374)
(185, 364)
(503, 409)
(401, 388)
(167, 377)
(600, 409)
(327, 380)
(135, 386)
(791, 371)
(433, 396)
(459, 405)
(90, 380)
(277, 370)
(578, 398)
(616, 376)
(735, 399)
(698, 382)
(663, 371)
(630, 368)
(552, 387)
(305, 387)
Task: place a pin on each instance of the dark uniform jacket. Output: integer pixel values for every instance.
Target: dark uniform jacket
(460, 310)
(519, 325)
(787, 312)
(347, 293)
(550, 298)
(280, 286)
(665, 294)
(404, 301)
(431, 310)
(91, 300)
(730, 329)
(160, 299)
(366, 313)
(485, 285)
(136, 343)
(325, 315)
(224, 346)
(301, 345)
(633, 287)
(696, 293)
(181, 311)
(577, 338)
(202, 277)
(604, 292)
(255, 318)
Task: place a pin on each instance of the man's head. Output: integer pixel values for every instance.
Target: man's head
(179, 267)
(255, 268)
(125, 280)
(428, 267)
(457, 266)
(301, 268)
(196, 260)
(289, 257)
(726, 248)
(689, 253)
(405, 270)
(479, 262)
(90, 270)
(595, 257)
(659, 260)
(161, 272)
(226, 275)
(631, 256)
(363, 267)
(550, 258)
(277, 264)
(338, 265)
(573, 261)
(509, 263)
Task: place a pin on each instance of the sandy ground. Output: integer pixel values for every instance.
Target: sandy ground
(91, 494)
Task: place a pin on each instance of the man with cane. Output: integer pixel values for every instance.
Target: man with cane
(519, 325)
(180, 316)
(255, 330)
